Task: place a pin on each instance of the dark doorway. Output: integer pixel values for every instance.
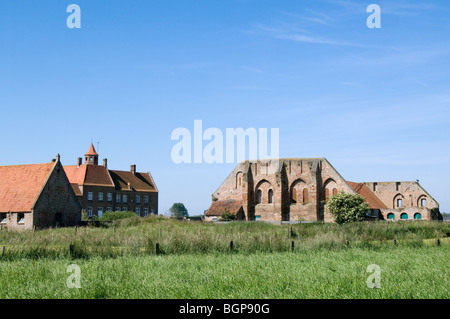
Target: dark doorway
(58, 220)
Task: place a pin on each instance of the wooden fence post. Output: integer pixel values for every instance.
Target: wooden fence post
(292, 245)
(348, 243)
(71, 250)
(395, 242)
(438, 242)
(157, 249)
(3, 251)
(231, 245)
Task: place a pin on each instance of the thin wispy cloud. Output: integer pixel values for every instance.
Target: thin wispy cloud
(311, 39)
(316, 17)
(293, 33)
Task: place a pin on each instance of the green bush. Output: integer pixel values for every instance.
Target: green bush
(347, 208)
(116, 215)
(227, 216)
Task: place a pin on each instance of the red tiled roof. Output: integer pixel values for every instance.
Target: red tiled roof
(220, 206)
(97, 175)
(91, 150)
(87, 174)
(372, 199)
(75, 174)
(20, 185)
(139, 182)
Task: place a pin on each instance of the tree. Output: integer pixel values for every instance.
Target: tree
(178, 210)
(347, 208)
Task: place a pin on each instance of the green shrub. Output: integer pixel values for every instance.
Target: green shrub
(227, 216)
(347, 208)
(116, 215)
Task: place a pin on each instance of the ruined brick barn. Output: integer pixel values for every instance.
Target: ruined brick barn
(299, 189)
(37, 195)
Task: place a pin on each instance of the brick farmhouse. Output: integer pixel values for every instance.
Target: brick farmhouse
(37, 196)
(100, 189)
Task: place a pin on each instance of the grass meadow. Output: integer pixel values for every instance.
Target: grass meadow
(119, 261)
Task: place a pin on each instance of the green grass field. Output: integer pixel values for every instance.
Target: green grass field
(120, 262)
(405, 273)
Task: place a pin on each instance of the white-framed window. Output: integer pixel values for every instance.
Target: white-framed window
(138, 199)
(108, 209)
(124, 208)
(89, 211)
(124, 199)
(90, 196)
(118, 197)
(138, 211)
(399, 202)
(145, 211)
(100, 212)
(100, 196)
(109, 197)
(20, 218)
(145, 199)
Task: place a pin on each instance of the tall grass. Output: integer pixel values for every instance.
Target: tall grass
(137, 236)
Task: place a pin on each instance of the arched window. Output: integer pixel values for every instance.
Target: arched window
(296, 191)
(259, 196)
(335, 191)
(327, 194)
(391, 216)
(417, 216)
(305, 196)
(404, 216)
(399, 202)
(423, 202)
(270, 196)
(238, 179)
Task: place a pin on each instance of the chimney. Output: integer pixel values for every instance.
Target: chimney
(79, 161)
(133, 169)
(105, 162)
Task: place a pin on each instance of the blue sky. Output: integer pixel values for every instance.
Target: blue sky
(374, 102)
